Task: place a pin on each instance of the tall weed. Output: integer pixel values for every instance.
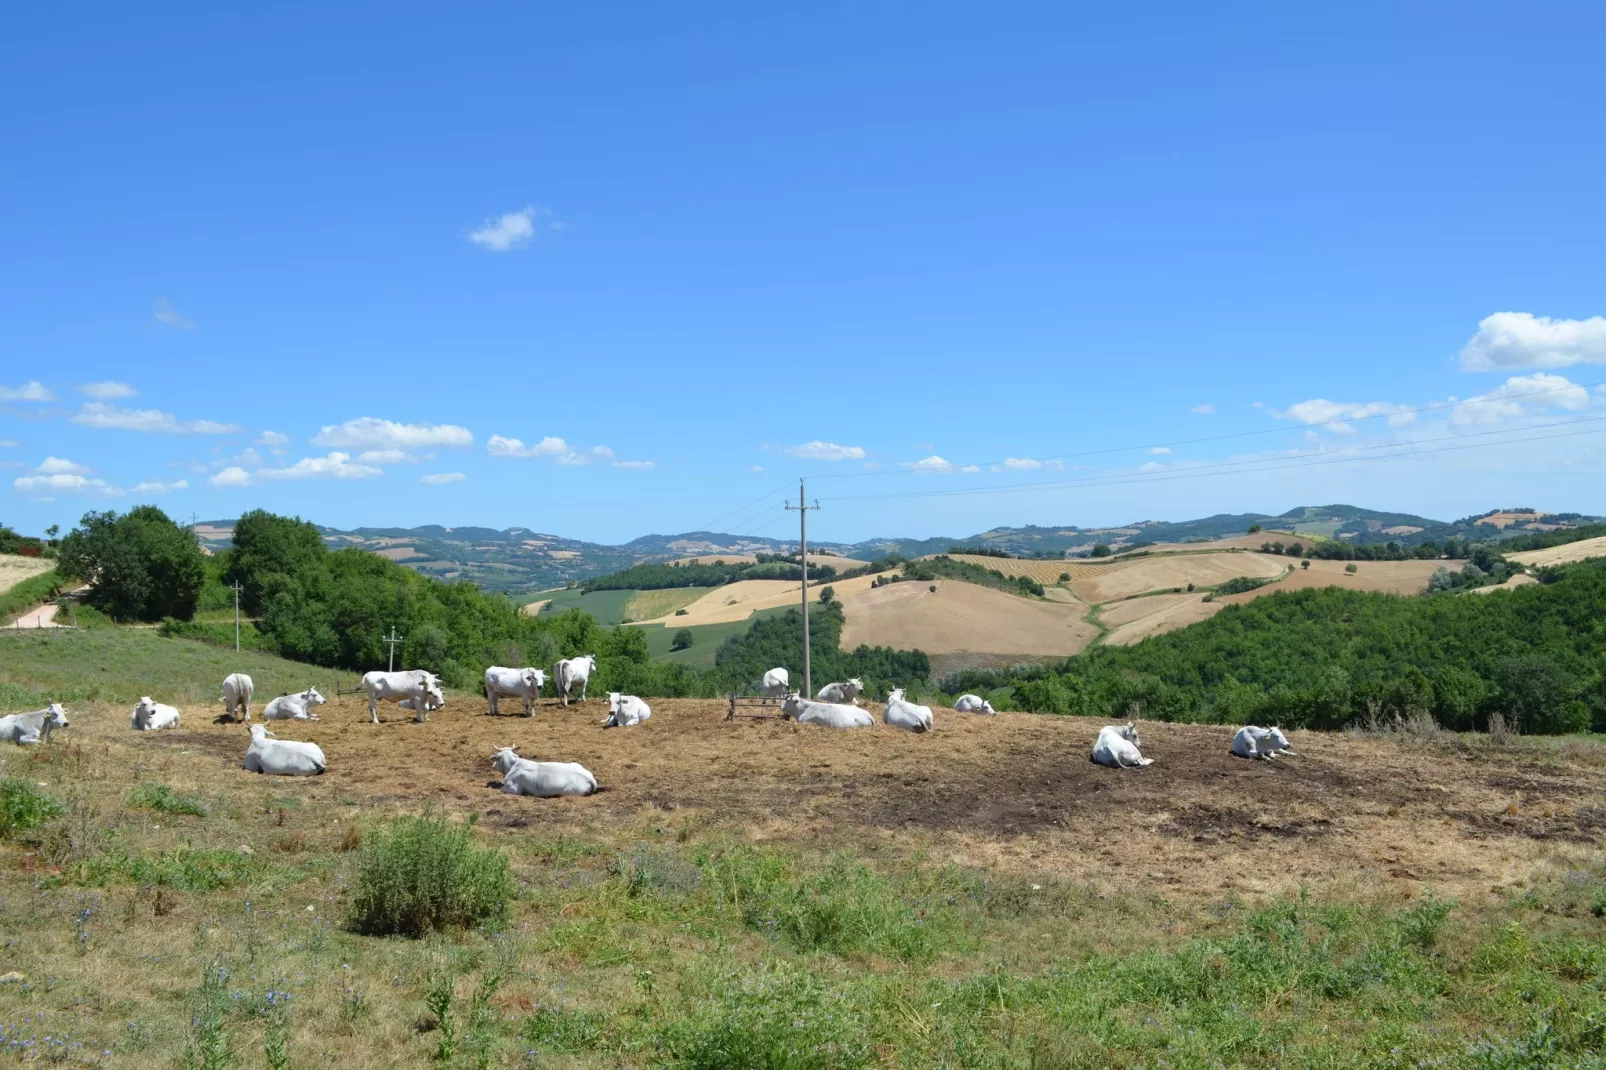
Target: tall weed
(417, 875)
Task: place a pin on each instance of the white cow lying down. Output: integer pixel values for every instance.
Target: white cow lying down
(544, 780)
(26, 729)
(297, 707)
(1117, 746)
(900, 713)
(282, 757)
(825, 714)
(973, 704)
(1252, 742)
(842, 692)
(625, 710)
(149, 716)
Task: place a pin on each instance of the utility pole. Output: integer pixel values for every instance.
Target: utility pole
(803, 508)
(392, 639)
(237, 590)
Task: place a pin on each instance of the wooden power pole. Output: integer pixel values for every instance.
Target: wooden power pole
(803, 508)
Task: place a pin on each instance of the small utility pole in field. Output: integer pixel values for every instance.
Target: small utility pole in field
(392, 639)
(803, 508)
(237, 590)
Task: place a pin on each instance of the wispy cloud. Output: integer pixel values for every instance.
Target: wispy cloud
(157, 487)
(594, 455)
(936, 465)
(6, 443)
(1026, 464)
(51, 466)
(513, 229)
(335, 465)
(231, 477)
(1159, 450)
(273, 438)
(436, 479)
(392, 457)
(1334, 414)
(503, 446)
(152, 421)
(32, 390)
(635, 464)
(370, 433)
(1204, 410)
(825, 451)
(168, 316)
(1512, 340)
(108, 390)
(64, 483)
(1519, 396)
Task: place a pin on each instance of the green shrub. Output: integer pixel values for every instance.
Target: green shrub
(160, 797)
(772, 1018)
(419, 874)
(1241, 584)
(23, 806)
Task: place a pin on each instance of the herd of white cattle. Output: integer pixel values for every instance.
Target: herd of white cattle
(836, 705)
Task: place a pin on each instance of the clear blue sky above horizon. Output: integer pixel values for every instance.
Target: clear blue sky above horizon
(634, 268)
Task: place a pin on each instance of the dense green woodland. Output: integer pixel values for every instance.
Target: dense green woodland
(1329, 657)
(658, 577)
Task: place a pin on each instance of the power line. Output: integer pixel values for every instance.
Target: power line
(955, 466)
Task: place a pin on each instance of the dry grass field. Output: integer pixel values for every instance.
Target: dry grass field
(961, 617)
(841, 564)
(1159, 573)
(737, 601)
(1137, 619)
(1394, 577)
(1565, 554)
(14, 569)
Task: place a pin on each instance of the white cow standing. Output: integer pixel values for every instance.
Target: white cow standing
(522, 683)
(901, 713)
(150, 716)
(1252, 742)
(842, 692)
(973, 704)
(282, 757)
(777, 682)
(544, 780)
(27, 729)
(417, 684)
(575, 672)
(1117, 747)
(297, 707)
(825, 714)
(625, 710)
(237, 692)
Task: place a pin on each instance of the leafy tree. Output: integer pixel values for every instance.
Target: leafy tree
(1254, 529)
(266, 544)
(141, 565)
(682, 640)
(828, 594)
(1351, 568)
(1100, 550)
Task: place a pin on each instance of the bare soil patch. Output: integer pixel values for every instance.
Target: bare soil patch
(960, 617)
(1016, 790)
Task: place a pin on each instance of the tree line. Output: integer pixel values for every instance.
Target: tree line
(663, 575)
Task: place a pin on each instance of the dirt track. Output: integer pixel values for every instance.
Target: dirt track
(1016, 790)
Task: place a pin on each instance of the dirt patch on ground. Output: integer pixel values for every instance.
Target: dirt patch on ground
(1015, 790)
(1562, 555)
(959, 617)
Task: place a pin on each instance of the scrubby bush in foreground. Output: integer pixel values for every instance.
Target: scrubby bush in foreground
(418, 875)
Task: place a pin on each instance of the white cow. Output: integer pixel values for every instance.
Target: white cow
(282, 757)
(848, 692)
(523, 683)
(417, 684)
(1252, 742)
(575, 672)
(545, 780)
(297, 707)
(625, 710)
(26, 729)
(149, 716)
(825, 714)
(777, 683)
(973, 704)
(901, 713)
(237, 692)
(1117, 747)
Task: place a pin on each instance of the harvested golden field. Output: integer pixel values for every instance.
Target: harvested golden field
(1521, 579)
(1158, 573)
(737, 601)
(1235, 542)
(1046, 572)
(1014, 791)
(841, 564)
(533, 609)
(1137, 619)
(14, 569)
(1561, 555)
(1393, 577)
(960, 617)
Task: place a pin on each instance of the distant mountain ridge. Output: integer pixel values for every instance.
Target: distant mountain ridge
(522, 560)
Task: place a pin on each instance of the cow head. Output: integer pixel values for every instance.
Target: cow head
(433, 692)
(57, 717)
(613, 701)
(792, 704)
(504, 759)
(1129, 732)
(854, 683)
(895, 695)
(259, 732)
(312, 697)
(534, 678)
(1277, 738)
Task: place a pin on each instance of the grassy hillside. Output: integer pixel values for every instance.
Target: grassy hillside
(706, 639)
(607, 606)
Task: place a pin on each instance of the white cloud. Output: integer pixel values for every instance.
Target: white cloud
(502, 446)
(508, 232)
(108, 390)
(32, 390)
(66, 482)
(272, 438)
(635, 464)
(1151, 466)
(231, 477)
(435, 479)
(168, 315)
(6, 443)
(1204, 410)
(1519, 395)
(594, 455)
(246, 456)
(369, 433)
(1333, 414)
(52, 466)
(156, 487)
(1155, 451)
(1257, 404)
(936, 464)
(334, 466)
(1027, 464)
(154, 421)
(1509, 340)
(825, 451)
(757, 468)
(391, 457)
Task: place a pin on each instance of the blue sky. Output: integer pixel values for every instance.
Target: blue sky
(623, 270)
